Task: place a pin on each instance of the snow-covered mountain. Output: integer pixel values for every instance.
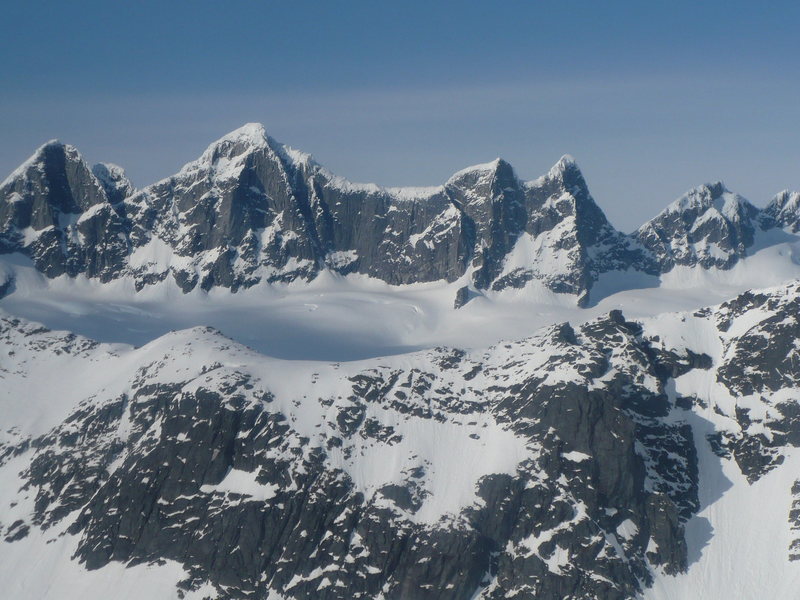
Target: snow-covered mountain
(568, 464)
(481, 390)
(784, 210)
(709, 226)
(251, 210)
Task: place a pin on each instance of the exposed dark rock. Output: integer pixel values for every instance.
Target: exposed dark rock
(251, 211)
(598, 504)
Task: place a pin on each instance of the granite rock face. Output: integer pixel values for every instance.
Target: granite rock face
(761, 371)
(54, 210)
(252, 211)
(114, 181)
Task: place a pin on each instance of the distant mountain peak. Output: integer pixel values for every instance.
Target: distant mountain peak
(784, 210)
(225, 156)
(565, 163)
(479, 170)
(709, 226)
(42, 154)
(712, 196)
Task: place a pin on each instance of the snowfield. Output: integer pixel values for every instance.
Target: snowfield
(337, 318)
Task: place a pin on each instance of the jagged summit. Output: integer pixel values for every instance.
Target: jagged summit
(714, 195)
(226, 155)
(565, 164)
(43, 153)
(252, 137)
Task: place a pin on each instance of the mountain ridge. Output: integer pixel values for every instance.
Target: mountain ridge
(251, 210)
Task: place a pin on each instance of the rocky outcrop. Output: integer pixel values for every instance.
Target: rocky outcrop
(760, 370)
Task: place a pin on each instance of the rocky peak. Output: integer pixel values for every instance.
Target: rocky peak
(784, 211)
(714, 198)
(709, 225)
(54, 181)
(54, 210)
(225, 158)
(493, 202)
(567, 172)
(58, 172)
(564, 177)
(563, 195)
(34, 162)
(567, 240)
(484, 181)
(235, 215)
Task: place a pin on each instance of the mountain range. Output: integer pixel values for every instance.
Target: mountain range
(621, 421)
(251, 210)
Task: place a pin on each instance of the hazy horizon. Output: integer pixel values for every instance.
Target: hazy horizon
(651, 101)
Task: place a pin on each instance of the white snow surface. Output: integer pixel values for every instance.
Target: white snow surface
(738, 542)
(337, 318)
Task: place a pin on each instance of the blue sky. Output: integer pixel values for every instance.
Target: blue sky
(651, 98)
